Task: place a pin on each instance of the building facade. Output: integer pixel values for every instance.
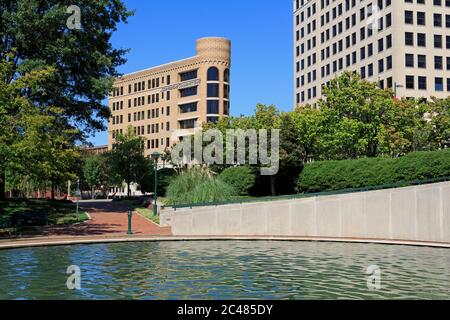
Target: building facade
(168, 102)
(97, 150)
(400, 44)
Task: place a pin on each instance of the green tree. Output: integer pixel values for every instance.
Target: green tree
(303, 125)
(34, 36)
(265, 117)
(127, 160)
(439, 114)
(354, 112)
(95, 172)
(406, 129)
(146, 182)
(35, 143)
(362, 120)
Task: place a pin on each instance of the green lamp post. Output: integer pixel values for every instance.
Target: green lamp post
(78, 194)
(155, 157)
(396, 86)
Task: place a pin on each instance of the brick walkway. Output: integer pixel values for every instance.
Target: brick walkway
(107, 219)
(111, 218)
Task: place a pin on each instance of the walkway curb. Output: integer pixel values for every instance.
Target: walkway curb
(25, 243)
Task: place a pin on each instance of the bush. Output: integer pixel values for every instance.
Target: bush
(240, 178)
(369, 172)
(198, 186)
(164, 177)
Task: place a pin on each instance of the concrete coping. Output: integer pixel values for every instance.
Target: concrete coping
(42, 242)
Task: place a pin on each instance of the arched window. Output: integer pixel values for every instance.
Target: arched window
(213, 74)
(226, 75)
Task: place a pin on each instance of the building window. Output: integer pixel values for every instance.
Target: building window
(213, 90)
(438, 63)
(437, 41)
(421, 40)
(212, 107)
(212, 119)
(422, 83)
(226, 108)
(409, 38)
(213, 74)
(409, 19)
(409, 82)
(437, 20)
(188, 75)
(421, 18)
(422, 61)
(389, 62)
(409, 60)
(226, 91)
(226, 75)
(188, 107)
(439, 84)
(188, 124)
(188, 92)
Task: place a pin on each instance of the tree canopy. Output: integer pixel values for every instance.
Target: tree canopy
(126, 161)
(53, 80)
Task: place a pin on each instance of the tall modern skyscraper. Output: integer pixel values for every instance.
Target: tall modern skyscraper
(163, 104)
(400, 44)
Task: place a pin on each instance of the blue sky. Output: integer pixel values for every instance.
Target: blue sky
(260, 31)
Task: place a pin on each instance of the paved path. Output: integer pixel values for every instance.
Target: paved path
(108, 219)
(112, 218)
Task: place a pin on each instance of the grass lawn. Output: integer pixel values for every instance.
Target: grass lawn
(56, 213)
(148, 213)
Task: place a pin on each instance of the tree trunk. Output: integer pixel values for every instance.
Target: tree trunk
(129, 190)
(53, 190)
(92, 193)
(272, 185)
(2, 184)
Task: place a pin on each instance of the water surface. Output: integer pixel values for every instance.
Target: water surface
(226, 270)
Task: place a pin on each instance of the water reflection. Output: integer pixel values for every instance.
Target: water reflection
(226, 270)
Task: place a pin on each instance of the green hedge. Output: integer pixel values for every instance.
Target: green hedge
(369, 172)
(240, 178)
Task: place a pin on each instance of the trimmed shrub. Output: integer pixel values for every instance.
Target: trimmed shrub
(240, 178)
(198, 186)
(369, 172)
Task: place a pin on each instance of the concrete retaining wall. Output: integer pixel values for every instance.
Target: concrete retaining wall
(420, 213)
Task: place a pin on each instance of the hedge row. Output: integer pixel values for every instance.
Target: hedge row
(370, 172)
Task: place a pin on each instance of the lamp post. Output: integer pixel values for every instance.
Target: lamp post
(130, 215)
(155, 157)
(396, 85)
(78, 194)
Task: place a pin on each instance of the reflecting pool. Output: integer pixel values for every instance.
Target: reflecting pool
(227, 270)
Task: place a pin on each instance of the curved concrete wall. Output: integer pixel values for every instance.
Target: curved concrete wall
(420, 213)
